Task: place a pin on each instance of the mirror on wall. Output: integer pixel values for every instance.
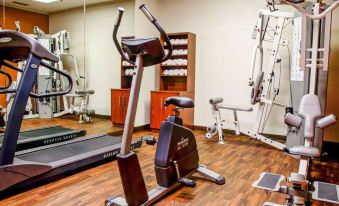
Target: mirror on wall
(2, 13)
(59, 26)
(79, 32)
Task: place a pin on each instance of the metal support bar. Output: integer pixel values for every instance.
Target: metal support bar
(132, 106)
(18, 110)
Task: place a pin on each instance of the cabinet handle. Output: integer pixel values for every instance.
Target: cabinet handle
(161, 104)
(123, 100)
(119, 100)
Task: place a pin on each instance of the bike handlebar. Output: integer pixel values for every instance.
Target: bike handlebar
(153, 20)
(115, 32)
(163, 34)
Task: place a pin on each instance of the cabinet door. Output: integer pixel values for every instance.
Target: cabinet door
(167, 111)
(159, 112)
(156, 109)
(124, 103)
(116, 113)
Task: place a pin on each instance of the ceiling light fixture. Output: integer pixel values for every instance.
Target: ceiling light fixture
(47, 1)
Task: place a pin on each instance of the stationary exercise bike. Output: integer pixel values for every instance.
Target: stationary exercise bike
(176, 154)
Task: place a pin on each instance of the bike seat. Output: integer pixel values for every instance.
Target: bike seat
(15, 45)
(183, 102)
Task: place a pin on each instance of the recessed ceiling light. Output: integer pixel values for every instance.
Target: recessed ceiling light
(46, 1)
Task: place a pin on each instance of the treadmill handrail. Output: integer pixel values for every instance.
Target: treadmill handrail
(35, 95)
(10, 81)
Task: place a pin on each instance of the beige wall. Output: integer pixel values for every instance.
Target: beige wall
(224, 49)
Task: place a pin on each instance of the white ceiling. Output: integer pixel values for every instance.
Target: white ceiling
(52, 7)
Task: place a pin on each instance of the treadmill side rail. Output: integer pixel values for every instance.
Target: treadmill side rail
(20, 171)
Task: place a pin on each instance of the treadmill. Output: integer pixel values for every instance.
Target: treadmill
(38, 136)
(29, 167)
(42, 136)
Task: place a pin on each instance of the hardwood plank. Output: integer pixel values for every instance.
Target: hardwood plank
(240, 160)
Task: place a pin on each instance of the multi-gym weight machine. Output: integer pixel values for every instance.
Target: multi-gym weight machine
(310, 121)
(266, 86)
(74, 103)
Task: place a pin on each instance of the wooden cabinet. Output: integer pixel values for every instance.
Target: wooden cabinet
(159, 112)
(119, 104)
(176, 78)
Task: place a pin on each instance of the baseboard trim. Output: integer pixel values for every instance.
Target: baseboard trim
(228, 131)
(102, 116)
(135, 129)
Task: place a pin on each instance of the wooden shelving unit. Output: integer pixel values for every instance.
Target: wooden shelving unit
(120, 97)
(176, 78)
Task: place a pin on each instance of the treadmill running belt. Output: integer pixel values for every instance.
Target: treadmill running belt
(44, 132)
(68, 150)
(45, 135)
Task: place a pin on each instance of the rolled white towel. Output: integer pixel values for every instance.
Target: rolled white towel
(181, 72)
(184, 62)
(172, 62)
(176, 72)
(185, 71)
(164, 63)
(166, 72)
(171, 72)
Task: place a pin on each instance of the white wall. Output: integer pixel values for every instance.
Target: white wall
(223, 58)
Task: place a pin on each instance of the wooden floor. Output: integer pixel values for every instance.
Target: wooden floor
(240, 160)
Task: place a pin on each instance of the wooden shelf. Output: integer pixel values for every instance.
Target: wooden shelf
(128, 66)
(177, 45)
(179, 55)
(174, 65)
(175, 85)
(173, 75)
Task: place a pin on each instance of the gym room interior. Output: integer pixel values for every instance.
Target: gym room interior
(169, 102)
